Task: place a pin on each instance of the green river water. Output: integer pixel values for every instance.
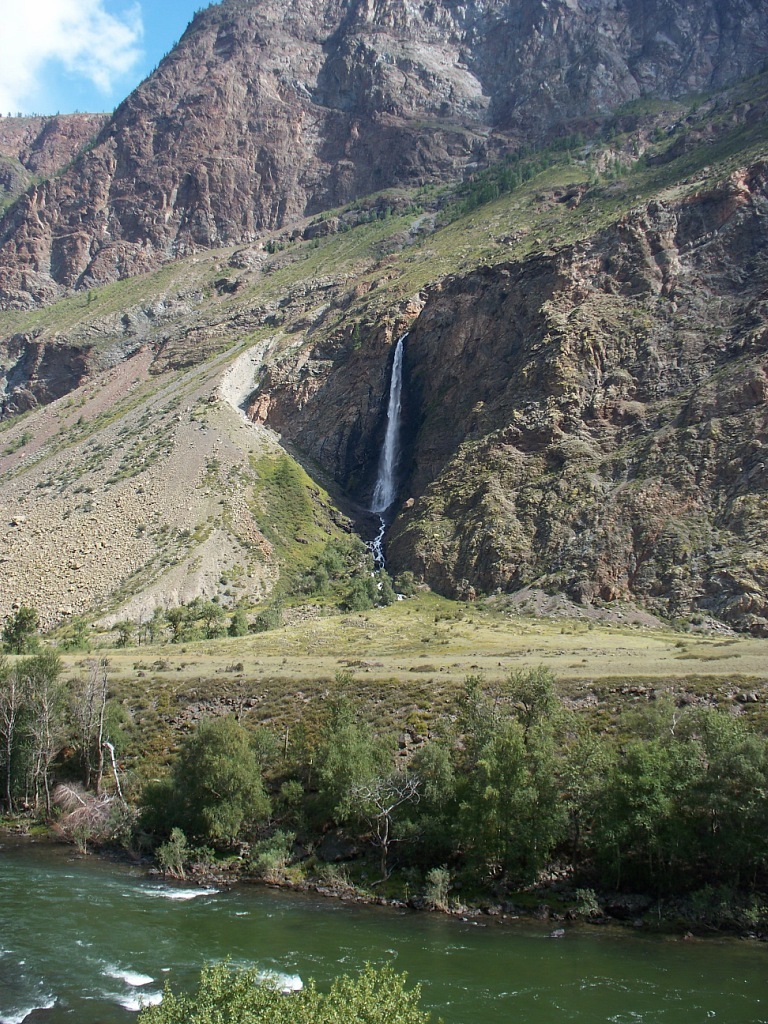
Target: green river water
(84, 941)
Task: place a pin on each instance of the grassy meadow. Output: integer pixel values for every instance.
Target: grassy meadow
(406, 665)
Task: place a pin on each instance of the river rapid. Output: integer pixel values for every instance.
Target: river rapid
(86, 941)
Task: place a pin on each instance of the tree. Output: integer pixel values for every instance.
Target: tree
(46, 719)
(31, 720)
(379, 799)
(20, 631)
(635, 835)
(728, 798)
(238, 624)
(89, 702)
(532, 692)
(215, 792)
(124, 630)
(510, 815)
(74, 636)
(173, 855)
(349, 757)
(431, 832)
(13, 699)
(213, 616)
(226, 996)
(176, 619)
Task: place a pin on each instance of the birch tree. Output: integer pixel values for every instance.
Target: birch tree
(12, 701)
(89, 701)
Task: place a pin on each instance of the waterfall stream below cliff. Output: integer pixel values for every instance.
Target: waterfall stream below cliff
(385, 491)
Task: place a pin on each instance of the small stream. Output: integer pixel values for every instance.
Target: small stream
(83, 940)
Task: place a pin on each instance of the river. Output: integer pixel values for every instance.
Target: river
(82, 940)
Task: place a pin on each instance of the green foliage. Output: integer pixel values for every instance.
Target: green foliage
(17, 443)
(586, 903)
(436, 890)
(689, 804)
(344, 572)
(212, 616)
(291, 800)
(512, 172)
(270, 617)
(32, 713)
(215, 791)
(350, 755)
(369, 589)
(20, 631)
(199, 619)
(238, 624)
(75, 635)
(173, 855)
(532, 692)
(124, 630)
(226, 996)
(176, 619)
(405, 583)
(270, 856)
(284, 492)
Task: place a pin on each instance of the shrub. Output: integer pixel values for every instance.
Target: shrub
(271, 856)
(173, 855)
(20, 631)
(436, 889)
(244, 997)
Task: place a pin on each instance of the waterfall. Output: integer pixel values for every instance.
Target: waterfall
(385, 491)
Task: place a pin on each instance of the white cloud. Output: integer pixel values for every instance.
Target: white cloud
(80, 35)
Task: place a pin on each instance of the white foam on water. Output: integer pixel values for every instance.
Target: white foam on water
(134, 1003)
(285, 983)
(17, 1016)
(179, 894)
(132, 978)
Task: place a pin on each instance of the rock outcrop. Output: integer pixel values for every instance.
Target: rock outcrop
(591, 421)
(270, 111)
(39, 147)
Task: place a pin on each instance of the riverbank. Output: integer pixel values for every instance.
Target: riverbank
(556, 902)
(87, 939)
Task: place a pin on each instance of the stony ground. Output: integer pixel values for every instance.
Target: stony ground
(145, 481)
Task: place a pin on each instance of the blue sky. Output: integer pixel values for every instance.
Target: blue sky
(67, 55)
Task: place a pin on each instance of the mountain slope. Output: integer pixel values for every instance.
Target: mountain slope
(584, 394)
(268, 112)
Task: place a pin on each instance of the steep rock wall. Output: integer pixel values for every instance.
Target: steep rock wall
(266, 112)
(592, 421)
(595, 422)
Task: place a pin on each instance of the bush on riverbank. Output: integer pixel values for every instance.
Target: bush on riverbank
(673, 801)
(666, 800)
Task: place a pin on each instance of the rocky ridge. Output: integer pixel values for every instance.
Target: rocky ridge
(591, 421)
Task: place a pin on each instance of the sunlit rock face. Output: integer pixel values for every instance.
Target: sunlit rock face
(266, 112)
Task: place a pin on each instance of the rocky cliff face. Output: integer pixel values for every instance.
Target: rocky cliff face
(268, 112)
(590, 421)
(39, 147)
(615, 445)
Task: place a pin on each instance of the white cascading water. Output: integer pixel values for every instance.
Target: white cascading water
(385, 491)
